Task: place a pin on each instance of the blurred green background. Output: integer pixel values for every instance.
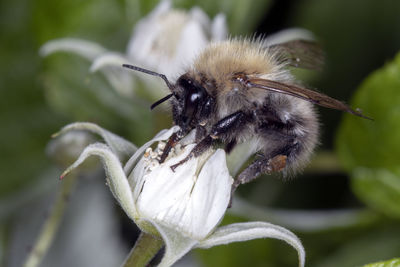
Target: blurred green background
(361, 180)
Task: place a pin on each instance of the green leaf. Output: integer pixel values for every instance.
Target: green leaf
(375, 145)
(389, 263)
(370, 245)
(379, 188)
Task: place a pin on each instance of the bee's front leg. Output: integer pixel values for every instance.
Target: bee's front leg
(221, 129)
(172, 141)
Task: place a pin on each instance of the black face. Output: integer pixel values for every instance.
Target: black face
(193, 103)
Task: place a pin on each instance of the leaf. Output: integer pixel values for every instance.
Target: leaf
(389, 263)
(375, 145)
(379, 188)
(371, 245)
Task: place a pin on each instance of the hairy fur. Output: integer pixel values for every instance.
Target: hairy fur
(277, 122)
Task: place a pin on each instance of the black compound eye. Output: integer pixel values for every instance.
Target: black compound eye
(193, 97)
(194, 94)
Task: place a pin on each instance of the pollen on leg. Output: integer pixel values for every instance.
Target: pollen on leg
(278, 163)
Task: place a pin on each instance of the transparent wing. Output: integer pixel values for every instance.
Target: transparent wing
(300, 54)
(303, 93)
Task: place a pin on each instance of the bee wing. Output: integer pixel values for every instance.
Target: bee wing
(300, 54)
(303, 93)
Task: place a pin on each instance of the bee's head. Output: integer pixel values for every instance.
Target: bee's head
(192, 103)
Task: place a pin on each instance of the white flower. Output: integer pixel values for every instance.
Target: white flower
(166, 41)
(183, 207)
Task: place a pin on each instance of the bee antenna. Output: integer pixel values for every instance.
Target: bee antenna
(162, 76)
(165, 98)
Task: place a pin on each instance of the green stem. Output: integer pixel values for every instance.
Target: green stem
(145, 249)
(51, 224)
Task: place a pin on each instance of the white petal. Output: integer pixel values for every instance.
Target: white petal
(200, 17)
(115, 175)
(162, 135)
(210, 195)
(239, 232)
(137, 178)
(192, 41)
(289, 35)
(145, 30)
(141, 44)
(176, 245)
(180, 200)
(163, 195)
(163, 7)
(121, 147)
(86, 49)
(219, 30)
(108, 59)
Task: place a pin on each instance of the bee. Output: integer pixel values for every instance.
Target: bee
(243, 91)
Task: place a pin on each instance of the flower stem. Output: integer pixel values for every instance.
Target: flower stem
(51, 224)
(145, 249)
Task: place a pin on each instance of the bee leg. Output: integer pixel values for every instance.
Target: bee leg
(223, 127)
(258, 167)
(201, 132)
(196, 151)
(172, 141)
